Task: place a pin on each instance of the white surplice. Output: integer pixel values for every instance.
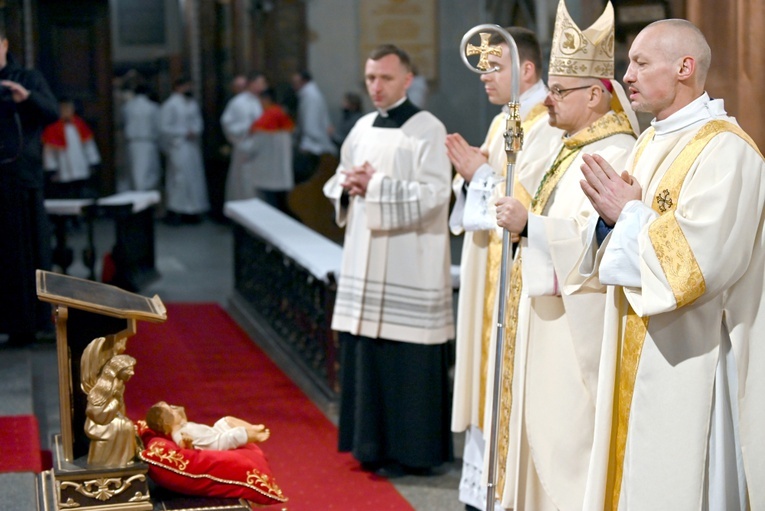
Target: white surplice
(694, 434)
(395, 281)
(73, 162)
(267, 165)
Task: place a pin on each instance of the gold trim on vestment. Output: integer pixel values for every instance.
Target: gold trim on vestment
(493, 260)
(683, 275)
(628, 356)
(608, 125)
(677, 260)
(508, 371)
(536, 113)
(488, 326)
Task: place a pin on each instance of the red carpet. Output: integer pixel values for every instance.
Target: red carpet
(20, 446)
(202, 360)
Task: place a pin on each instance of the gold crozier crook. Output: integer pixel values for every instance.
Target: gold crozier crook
(484, 50)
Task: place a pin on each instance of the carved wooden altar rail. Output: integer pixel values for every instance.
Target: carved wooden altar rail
(286, 274)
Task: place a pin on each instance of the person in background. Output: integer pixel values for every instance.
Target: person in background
(269, 165)
(237, 118)
(418, 89)
(180, 126)
(238, 84)
(314, 127)
(26, 107)
(351, 113)
(141, 129)
(70, 155)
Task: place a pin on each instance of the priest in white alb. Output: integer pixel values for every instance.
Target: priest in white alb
(141, 115)
(478, 184)
(240, 113)
(680, 246)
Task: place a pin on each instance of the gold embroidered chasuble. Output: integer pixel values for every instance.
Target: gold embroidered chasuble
(678, 391)
(493, 263)
(479, 271)
(476, 316)
(612, 136)
(684, 277)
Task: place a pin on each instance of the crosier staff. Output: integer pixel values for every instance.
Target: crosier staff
(513, 142)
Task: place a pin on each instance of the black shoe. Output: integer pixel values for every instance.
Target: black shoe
(373, 466)
(420, 471)
(391, 470)
(191, 219)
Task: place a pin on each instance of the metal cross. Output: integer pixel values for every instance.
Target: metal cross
(485, 50)
(664, 201)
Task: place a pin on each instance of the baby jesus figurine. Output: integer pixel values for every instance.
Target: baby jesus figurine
(227, 433)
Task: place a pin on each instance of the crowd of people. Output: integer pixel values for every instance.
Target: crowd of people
(48, 151)
(630, 375)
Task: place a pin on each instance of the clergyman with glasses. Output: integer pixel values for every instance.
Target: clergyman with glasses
(559, 330)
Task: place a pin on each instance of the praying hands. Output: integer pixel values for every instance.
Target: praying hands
(465, 158)
(357, 179)
(608, 191)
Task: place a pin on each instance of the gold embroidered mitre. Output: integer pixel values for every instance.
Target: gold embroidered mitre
(585, 53)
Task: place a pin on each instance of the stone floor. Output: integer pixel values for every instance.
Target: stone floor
(195, 265)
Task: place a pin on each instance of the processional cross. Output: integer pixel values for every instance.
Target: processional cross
(513, 142)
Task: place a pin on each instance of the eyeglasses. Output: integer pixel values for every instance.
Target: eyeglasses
(558, 94)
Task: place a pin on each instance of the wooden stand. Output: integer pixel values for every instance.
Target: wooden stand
(86, 310)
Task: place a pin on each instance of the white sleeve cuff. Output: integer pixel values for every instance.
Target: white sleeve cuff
(479, 211)
(621, 260)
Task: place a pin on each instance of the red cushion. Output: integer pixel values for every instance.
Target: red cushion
(238, 473)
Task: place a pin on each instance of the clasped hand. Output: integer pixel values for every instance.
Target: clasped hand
(19, 93)
(608, 191)
(357, 179)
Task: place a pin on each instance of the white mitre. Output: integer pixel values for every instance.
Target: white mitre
(589, 53)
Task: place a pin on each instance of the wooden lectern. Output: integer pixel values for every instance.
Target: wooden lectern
(86, 310)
